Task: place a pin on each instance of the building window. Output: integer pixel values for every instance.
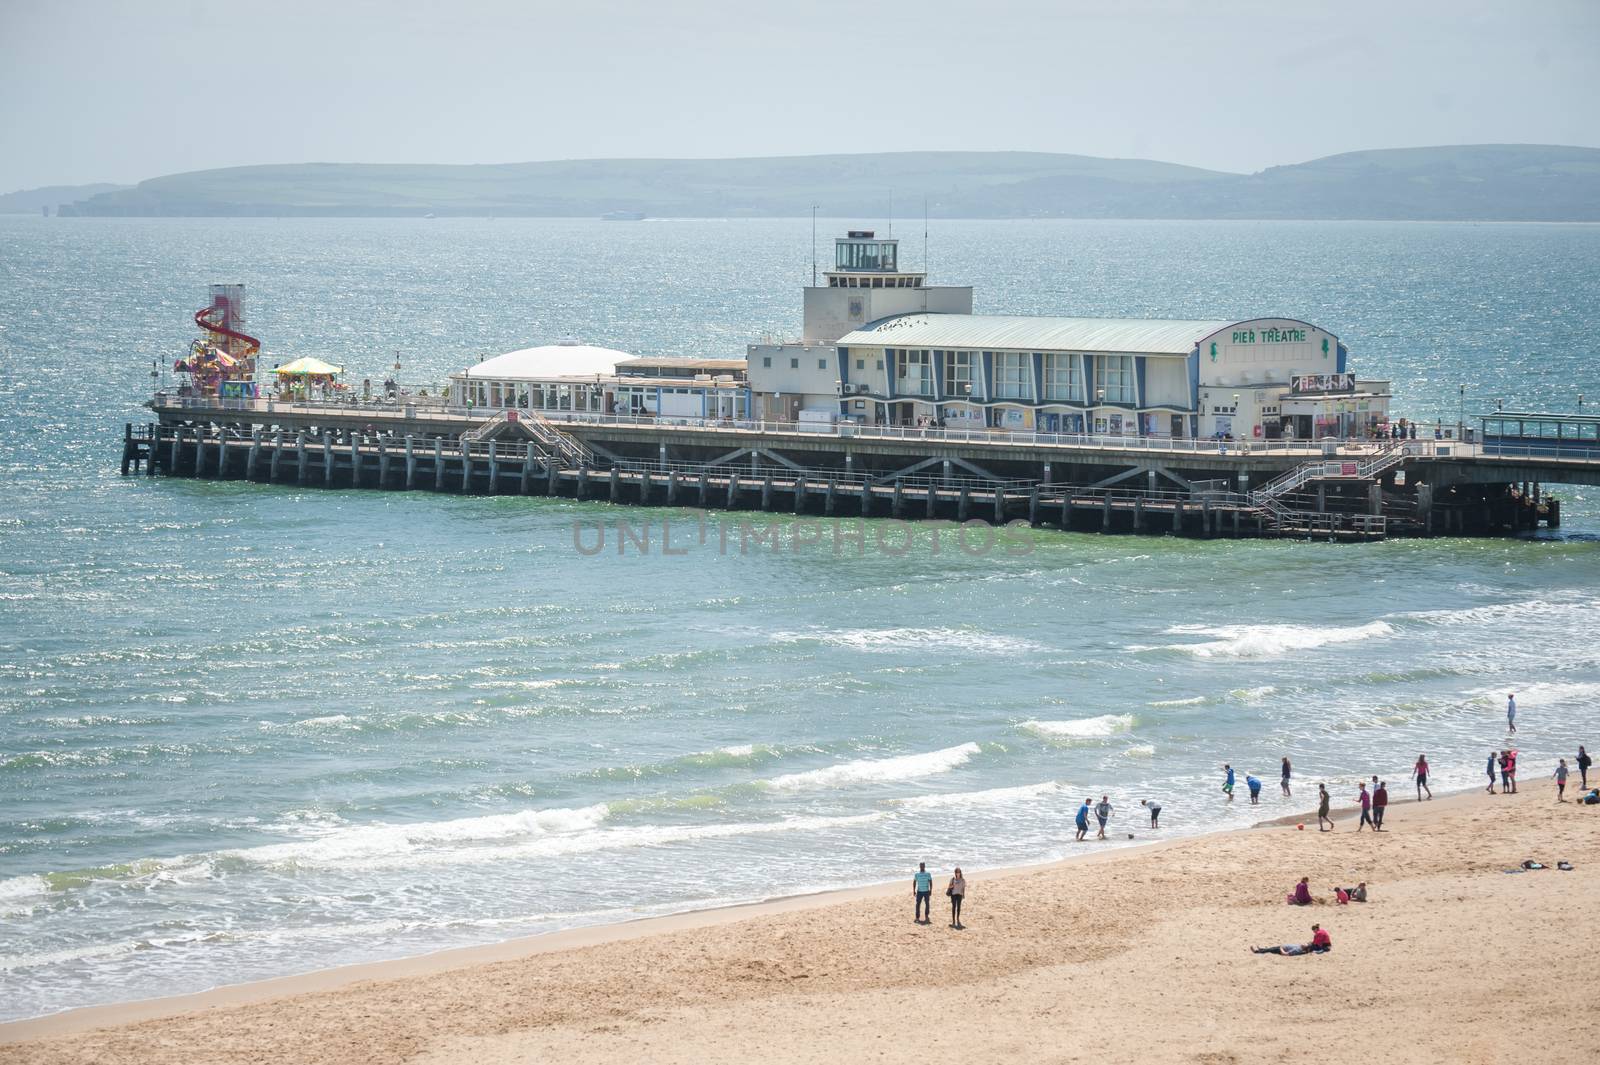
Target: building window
(822, 364)
(794, 364)
(766, 361)
(861, 364)
(916, 373)
(1114, 378)
(880, 364)
(1011, 375)
(957, 373)
(1063, 377)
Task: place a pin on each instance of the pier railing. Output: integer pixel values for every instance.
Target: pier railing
(454, 416)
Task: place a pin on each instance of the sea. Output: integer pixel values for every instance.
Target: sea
(249, 731)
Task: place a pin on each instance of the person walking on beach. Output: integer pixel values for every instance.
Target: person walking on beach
(1511, 770)
(1366, 808)
(1083, 820)
(1102, 813)
(1227, 783)
(1491, 772)
(1420, 772)
(1583, 767)
(1511, 713)
(922, 888)
(1284, 783)
(1561, 781)
(1380, 803)
(1322, 809)
(1155, 811)
(957, 890)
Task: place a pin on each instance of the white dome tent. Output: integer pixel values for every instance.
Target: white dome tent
(565, 376)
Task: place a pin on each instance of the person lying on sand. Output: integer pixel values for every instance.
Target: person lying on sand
(1301, 895)
(1352, 894)
(1320, 943)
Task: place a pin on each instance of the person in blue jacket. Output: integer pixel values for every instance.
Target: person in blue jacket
(1083, 820)
(1255, 789)
(1227, 785)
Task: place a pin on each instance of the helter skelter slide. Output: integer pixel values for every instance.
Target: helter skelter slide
(223, 362)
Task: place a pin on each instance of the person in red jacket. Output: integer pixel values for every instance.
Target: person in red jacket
(1380, 803)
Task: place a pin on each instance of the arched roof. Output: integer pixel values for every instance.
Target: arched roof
(547, 361)
(1008, 332)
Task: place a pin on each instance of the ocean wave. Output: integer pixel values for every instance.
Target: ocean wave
(1267, 641)
(912, 639)
(1193, 700)
(1540, 693)
(988, 797)
(877, 770)
(1085, 728)
(735, 756)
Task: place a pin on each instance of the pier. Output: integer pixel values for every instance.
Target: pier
(1340, 491)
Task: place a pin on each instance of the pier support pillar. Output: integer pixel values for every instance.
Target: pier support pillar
(849, 462)
(963, 502)
(255, 453)
(466, 466)
(705, 484)
(827, 500)
(1105, 513)
(1375, 499)
(327, 459)
(411, 463)
(644, 486)
(999, 504)
(383, 460)
(897, 501)
(199, 450)
(733, 489)
(302, 454)
(525, 481)
(277, 453)
(551, 474)
(1177, 516)
(355, 461)
(1066, 508)
(1236, 523)
(1047, 473)
(438, 464)
(931, 500)
(799, 493)
(662, 453)
(1138, 514)
(1033, 503)
(1150, 476)
(172, 456)
(672, 488)
(766, 493)
(1425, 507)
(1322, 498)
(1206, 521)
(494, 467)
(583, 482)
(616, 484)
(866, 499)
(946, 468)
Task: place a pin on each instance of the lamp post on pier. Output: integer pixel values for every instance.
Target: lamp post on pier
(1461, 411)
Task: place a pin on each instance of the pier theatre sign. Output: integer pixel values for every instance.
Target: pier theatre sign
(1269, 336)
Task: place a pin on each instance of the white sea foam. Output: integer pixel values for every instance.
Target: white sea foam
(1141, 750)
(877, 770)
(1191, 701)
(989, 797)
(19, 893)
(913, 639)
(1541, 693)
(1269, 641)
(1085, 728)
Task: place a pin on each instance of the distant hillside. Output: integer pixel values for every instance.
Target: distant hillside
(1490, 182)
(28, 201)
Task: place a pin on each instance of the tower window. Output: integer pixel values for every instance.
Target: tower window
(767, 362)
(822, 364)
(794, 364)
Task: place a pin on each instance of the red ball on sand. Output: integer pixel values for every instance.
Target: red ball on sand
(1301, 827)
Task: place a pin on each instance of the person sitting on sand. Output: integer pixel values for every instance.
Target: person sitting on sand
(1155, 811)
(1320, 943)
(1357, 893)
(1322, 809)
(1301, 895)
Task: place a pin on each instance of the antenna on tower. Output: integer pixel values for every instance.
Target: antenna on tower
(924, 234)
(891, 214)
(813, 245)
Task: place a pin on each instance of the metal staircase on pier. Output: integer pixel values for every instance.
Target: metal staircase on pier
(1269, 499)
(556, 445)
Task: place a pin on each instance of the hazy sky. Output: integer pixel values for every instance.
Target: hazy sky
(97, 90)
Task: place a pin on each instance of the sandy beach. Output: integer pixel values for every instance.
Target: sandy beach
(1128, 954)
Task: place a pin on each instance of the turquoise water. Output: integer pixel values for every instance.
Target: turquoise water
(248, 731)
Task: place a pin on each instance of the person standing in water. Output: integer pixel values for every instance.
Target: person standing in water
(1322, 809)
(1284, 783)
(1155, 811)
(1102, 813)
(1083, 820)
(922, 888)
(1420, 772)
(1227, 783)
(957, 891)
(1511, 713)
(1255, 789)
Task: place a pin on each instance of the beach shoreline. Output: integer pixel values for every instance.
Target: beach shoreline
(600, 967)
